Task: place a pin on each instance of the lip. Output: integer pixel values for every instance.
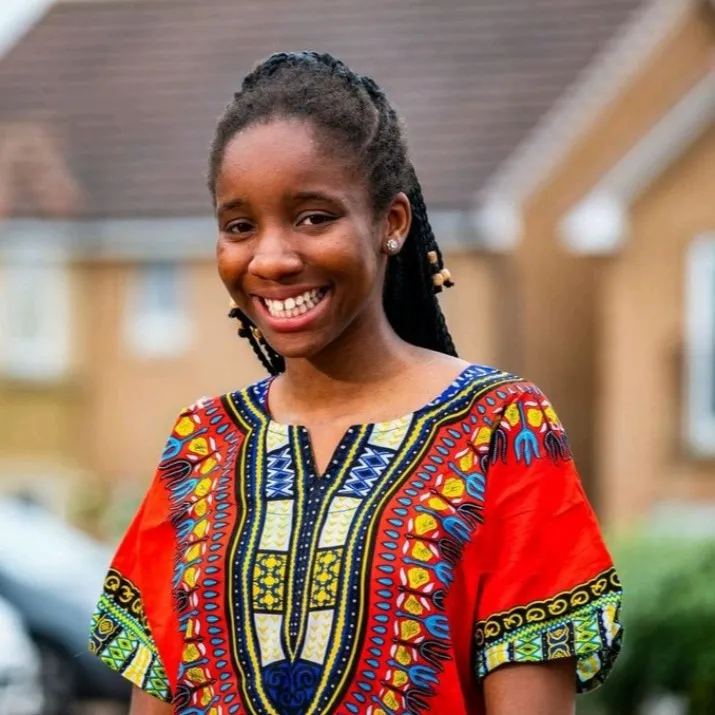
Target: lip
(289, 325)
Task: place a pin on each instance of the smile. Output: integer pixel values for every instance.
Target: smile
(295, 306)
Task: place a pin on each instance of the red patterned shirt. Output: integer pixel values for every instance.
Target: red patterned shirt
(434, 549)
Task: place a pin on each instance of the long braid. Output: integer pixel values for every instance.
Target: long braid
(410, 296)
(358, 119)
(437, 333)
(269, 358)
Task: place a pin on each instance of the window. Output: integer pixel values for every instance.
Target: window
(34, 313)
(700, 365)
(157, 322)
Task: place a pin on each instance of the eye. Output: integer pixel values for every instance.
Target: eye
(315, 219)
(239, 227)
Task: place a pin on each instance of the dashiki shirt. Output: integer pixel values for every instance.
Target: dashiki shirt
(435, 548)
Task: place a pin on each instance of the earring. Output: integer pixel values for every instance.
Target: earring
(392, 246)
(257, 334)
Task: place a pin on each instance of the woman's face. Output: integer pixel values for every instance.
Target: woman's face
(299, 247)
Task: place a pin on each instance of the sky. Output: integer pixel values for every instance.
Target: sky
(16, 18)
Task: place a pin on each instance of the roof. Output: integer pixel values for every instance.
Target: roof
(596, 87)
(130, 89)
(598, 224)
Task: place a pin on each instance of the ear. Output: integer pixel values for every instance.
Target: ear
(397, 220)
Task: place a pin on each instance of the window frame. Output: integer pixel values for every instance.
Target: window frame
(155, 331)
(44, 270)
(700, 346)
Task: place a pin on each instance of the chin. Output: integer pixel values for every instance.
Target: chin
(296, 348)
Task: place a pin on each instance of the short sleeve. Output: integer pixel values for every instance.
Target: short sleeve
(549, 589)
(134, 622)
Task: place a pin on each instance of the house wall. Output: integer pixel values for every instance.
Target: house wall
(41, 438)
(558, 309)
(39, 426)
(642, 316)
(472, 307)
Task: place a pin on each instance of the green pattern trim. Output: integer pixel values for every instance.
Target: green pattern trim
(120, 637)
(589, 631)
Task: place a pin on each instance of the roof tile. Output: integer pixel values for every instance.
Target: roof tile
(133, 87)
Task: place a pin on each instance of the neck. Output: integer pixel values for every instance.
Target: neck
(366, 355)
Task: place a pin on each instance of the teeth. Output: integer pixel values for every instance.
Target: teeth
(295, 306)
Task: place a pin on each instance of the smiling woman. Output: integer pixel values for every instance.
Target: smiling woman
(378, 527)
(359, 175)
(297, 225)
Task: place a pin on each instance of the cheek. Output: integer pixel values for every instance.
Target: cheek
(231, 263)
(367, 269)
(356, 258)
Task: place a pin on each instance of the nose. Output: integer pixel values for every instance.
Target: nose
(275, 258)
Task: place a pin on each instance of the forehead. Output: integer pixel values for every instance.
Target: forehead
(270, 157)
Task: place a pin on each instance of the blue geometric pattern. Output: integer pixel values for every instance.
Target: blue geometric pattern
(367, 470)
(281, 474)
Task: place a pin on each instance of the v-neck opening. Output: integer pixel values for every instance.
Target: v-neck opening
(352, 437)
(337, 458)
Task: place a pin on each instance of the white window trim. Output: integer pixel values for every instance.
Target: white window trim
(45, 357)
(700, 346)
(156, 334)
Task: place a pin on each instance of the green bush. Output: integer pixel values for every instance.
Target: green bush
(669, 619)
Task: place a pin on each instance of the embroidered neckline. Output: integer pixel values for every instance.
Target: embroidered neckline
(259, 394)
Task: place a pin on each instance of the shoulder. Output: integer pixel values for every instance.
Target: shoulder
(528, 430)
(503, 388)
(509, 410)
(208, 406)
(205, 433)
(499, 389)
(195, 412)
(211, 419)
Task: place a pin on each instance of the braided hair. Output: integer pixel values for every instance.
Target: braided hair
(354, 115)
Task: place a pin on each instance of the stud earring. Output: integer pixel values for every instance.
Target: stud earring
(392, 246)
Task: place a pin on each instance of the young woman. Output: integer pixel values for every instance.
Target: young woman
(379, 527)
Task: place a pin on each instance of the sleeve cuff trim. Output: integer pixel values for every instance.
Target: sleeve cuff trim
(120, 638)
(588, 629)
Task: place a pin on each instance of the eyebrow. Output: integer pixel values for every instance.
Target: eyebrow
(308, 195)
(230, 205)
(300, 196)
(237, 203)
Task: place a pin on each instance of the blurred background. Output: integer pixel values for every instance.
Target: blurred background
(567, 152)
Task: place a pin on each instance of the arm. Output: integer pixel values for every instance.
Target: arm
(537, 689)
(145, 704)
